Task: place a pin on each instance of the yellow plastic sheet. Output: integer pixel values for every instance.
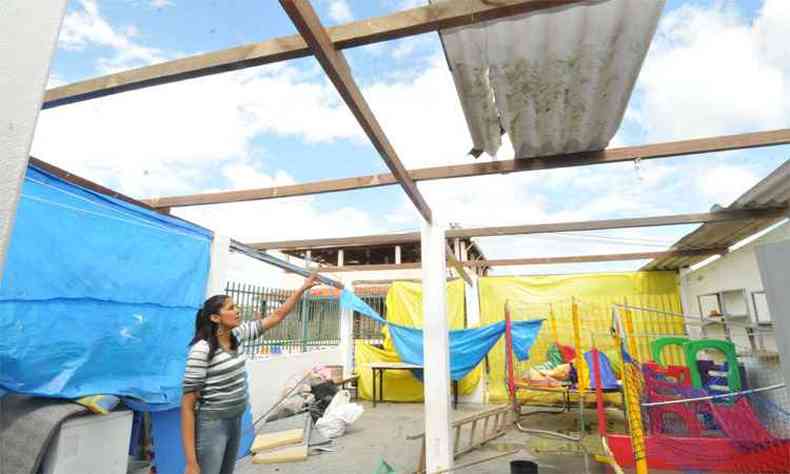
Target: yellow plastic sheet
(404, 307)
(534, 297)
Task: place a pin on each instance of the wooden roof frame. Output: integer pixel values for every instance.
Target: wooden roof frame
(616, 257)
(337, 69)
(723, 215)
(325, 45)
(698, 146)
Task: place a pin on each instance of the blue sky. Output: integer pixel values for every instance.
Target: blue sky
(715, 67)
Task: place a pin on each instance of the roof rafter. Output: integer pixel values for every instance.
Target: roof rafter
(336, 67)
(537, 261)
(578, 226)
(372, 30)
(610, 155)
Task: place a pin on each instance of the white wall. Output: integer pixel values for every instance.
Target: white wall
(268, 377)
(28, 32)
(736, 270)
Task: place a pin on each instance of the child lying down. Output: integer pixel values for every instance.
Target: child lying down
(547, 377)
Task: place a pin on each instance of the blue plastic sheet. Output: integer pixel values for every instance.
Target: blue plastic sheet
(467, 346)
(608, 379)
(98, 296)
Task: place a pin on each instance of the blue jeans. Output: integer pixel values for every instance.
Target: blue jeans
(217, 442)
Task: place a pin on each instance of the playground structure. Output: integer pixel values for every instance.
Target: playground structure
(697, 415)
(688, 402)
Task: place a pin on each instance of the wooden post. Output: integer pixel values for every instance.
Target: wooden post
(438, 443)
(27, 42)
(472, 297)
(218, 269)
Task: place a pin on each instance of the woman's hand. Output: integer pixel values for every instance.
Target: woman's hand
(311, 282)
(192, 469)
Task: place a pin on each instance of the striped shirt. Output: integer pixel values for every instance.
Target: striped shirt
(222, 381)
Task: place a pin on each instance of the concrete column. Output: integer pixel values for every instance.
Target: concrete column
(774, 261)
(340, 257)
(347, 335)
(439, 450)
(28, 35)
(472, 295)
(218, 269)
(397, 255)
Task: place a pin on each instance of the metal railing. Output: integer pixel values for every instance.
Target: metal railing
(313, 324)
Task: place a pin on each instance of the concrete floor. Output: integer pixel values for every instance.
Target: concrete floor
(380, 434)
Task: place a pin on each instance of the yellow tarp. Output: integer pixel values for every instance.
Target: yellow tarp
(552, 296)
(404, 307)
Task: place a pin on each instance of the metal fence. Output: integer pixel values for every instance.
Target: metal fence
(313, 324)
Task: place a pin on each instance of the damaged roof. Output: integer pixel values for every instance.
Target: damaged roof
(773, 191)
(557, 81)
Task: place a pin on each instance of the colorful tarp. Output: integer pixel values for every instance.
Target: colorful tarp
(594, 294)
(404, 307)
(98, 296)
(467, 346)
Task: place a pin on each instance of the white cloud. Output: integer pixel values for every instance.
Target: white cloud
(162, 141)
(85, 27)
(408, 4)
(340, 11)
(275, 219)
(711, 72)
(161, 3)
(723, 184)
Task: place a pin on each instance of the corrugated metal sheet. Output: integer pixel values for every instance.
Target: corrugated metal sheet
(773, 191)
(557, 81)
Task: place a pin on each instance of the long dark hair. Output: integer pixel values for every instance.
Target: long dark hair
(206, 329)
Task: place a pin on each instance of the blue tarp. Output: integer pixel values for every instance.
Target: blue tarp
(98, 296)
(467, 346)
(608, 379)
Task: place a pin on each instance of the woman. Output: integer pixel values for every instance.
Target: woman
(215, 383)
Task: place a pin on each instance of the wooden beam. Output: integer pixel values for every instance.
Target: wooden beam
(334, 64)
(458, 266)
(539, 260)
(612, 155)
(90, 185)
(579, 226)
(372, 30)
(607, 224)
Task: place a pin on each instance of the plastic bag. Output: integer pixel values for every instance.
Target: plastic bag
(338, 415)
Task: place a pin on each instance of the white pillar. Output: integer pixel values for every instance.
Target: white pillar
(397, 255)
(347, 334)
(472, 295)
(774, 260)
(28, 35)
(438, 447)
(218, 269)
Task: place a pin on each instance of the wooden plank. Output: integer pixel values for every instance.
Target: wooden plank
(612, 155)
(334, 64)
(268, 441)
(578, 226)
(289, 454)
(539, 260)
(372, 30)
(458, 267)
